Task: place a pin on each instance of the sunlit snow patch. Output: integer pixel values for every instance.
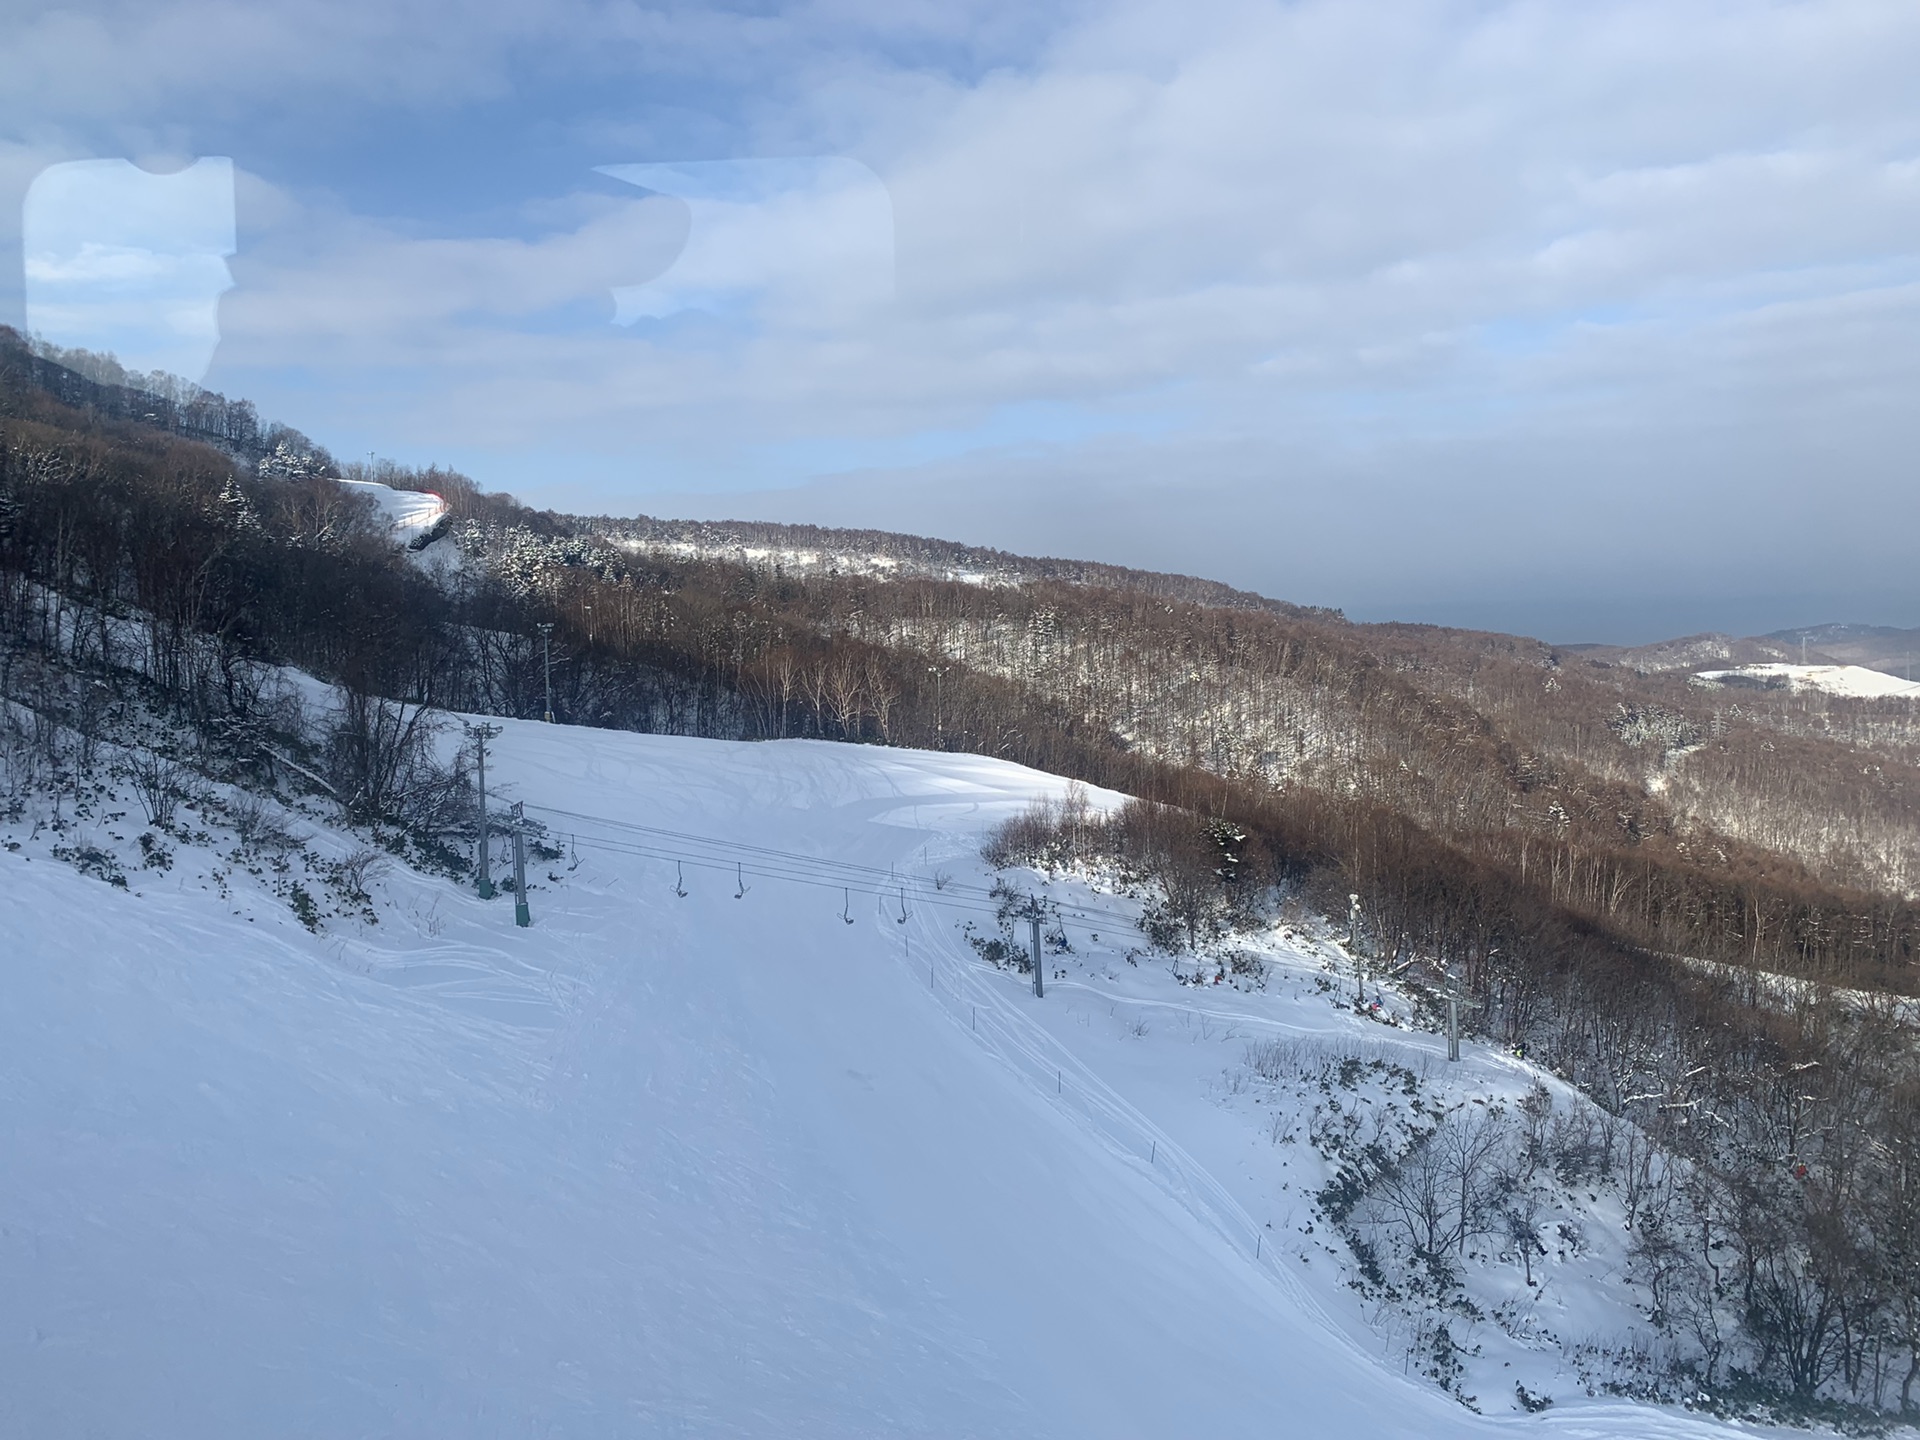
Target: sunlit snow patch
(1855, 681)
(410, 513)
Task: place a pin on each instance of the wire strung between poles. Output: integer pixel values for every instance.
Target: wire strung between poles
(809, 870)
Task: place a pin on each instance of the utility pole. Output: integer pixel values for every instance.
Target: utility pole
(521, 915)
(1033, 937)
(480, 734)
(546, 661)
(1453, 1020)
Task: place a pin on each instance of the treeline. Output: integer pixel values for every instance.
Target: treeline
(1248, 710)
(921, 556)
(1828, 780)
(99, 387)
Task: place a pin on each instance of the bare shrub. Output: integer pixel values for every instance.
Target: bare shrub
(1286, 1056)
(1197, 864)
(258, 824)
(362, 868)
(382, 765)
(160, 784)
(1442, 1191)
(1278, 1059)
(1580, 1144)
(1048, 834)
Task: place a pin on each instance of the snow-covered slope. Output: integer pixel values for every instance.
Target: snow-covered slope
(410, 513)
(662, 1164)
(1851, 680)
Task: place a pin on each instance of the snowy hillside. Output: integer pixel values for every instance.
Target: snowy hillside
(798, 559)
(775, 1156)
(411, 514)
(1855, 681)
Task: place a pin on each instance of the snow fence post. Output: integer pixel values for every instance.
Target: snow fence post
(1039, 975)
(521, 915)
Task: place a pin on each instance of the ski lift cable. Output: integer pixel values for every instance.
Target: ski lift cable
(762, 868)
(739, 846)
(778, 863)
(868, 879)
(801, 870)
(917, 888)
(826, 879)
(821, 882)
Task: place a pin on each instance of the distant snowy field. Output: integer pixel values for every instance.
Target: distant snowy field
(1851, 680)
(776, 1157)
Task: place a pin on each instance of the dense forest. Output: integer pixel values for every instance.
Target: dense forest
(1697, 906)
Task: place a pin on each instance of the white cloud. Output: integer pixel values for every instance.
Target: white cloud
(1407, 232)
(770, 241)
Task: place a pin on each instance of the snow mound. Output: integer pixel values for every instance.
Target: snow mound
(1855, 681)
(410, 513)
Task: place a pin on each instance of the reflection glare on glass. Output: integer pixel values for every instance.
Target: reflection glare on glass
(123, 261)
(802, 242)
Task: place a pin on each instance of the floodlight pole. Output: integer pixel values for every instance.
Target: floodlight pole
(546, 661)
(480, 735)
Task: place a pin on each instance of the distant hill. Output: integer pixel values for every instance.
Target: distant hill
(1689, 652)
(1878, 647)
(1856, 681)
(883, 554)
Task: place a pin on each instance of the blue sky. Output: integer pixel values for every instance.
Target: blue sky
(1596, 321)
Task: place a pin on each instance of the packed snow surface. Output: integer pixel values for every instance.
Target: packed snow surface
(410, 513)
(1851, 680)
(776, 1157)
